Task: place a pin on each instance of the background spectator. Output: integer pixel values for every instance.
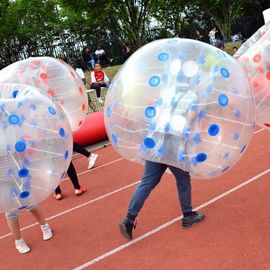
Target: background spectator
(88, 58)
(102, 58)
(212, 36)
(98, 79)
(79, 71)
(127, 51)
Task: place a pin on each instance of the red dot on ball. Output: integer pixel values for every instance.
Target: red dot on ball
(44, 76)
(81, 90)
(83, 107)
(62, 101)
(80, 123)
(51, 93)
(257, 58)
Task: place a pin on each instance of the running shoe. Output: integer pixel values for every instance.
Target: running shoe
(46, 232)
(21, 246)
(92, 160)
(80, 191)
(194, 218)
(126, 228)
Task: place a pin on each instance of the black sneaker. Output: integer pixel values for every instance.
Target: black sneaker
(126, 228)
(194, 218)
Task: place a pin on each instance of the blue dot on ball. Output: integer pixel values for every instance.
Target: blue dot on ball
(62, 132)
(25, 194)
(4, 124)
(20, 146)
(32, 107)
(114, 138)
(14, 119)
(223, 100)
(243, 149)
(23, 172)
(154, 81)
(15, 93)
(22, 207)
(66, 155)
(225, 73)
(225, 169)
(109, 112)
(181, 156)
(159, 102)
(201, 157)
(237, 113)
(213, 130)
(202, 114)
(150, 112)
(236, 136)
(149, 142)
(163, 56)
(220, 53)
(51, 110)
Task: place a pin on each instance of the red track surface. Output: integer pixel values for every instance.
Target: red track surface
(235, 234)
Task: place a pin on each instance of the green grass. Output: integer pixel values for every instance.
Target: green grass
(229, 47)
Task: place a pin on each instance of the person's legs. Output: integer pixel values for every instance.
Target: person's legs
(184, 189)
(92, 62)
(184, 193)
(45, 228)
(14, 226)
(97, 87)
(80, 149)
(152, 174)
(72, 174)
(58, 190)
(91, 156)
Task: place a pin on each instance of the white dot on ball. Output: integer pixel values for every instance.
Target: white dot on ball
(175, 67)
(190, 69)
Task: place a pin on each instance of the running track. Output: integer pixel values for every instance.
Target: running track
(235, 234)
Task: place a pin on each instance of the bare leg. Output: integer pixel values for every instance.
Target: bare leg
(14, 227)
(38, 216)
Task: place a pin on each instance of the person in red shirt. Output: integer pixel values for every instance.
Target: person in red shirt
(98, 79)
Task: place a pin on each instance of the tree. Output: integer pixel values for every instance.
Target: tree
(224, 12)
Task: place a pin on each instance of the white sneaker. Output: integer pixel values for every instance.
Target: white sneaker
(100, 100)
(21, 246)
(92, 160)
(46, 232)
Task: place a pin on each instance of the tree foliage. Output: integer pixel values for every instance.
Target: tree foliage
(62, 27)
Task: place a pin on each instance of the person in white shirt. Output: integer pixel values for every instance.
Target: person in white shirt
(101, 56)
(79, 71)
(212, 36)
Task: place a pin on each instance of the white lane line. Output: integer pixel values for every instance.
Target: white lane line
(165, 225)
(96, 168)
(258, 131)
(77, 207)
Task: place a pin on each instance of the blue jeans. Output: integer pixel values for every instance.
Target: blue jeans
(92, 63)
(152, 175)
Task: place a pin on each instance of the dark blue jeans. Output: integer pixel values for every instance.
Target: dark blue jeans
(152, 175)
